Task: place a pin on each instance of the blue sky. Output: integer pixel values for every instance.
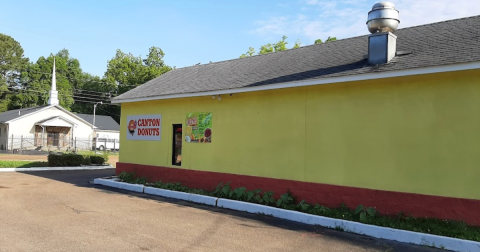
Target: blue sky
(191, 32)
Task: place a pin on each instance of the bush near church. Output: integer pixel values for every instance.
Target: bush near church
(71, 159)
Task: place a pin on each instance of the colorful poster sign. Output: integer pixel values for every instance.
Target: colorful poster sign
(144, 127)
(198, 127)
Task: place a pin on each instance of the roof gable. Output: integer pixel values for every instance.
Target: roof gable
(17, 113)
(57, 121)
(12, 115)
(438, 44)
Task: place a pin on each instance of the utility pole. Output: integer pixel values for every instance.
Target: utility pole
(94, 130)
(94, 108)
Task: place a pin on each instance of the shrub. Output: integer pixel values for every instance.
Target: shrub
(65, 160)
(105, 156)
(127, 177)
(98, 160)
(87, 160)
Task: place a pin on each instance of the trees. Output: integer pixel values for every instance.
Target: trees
(37, 81)
(319, 41)
(12, 63)
(129, 71)
(26, 84)
(280, 46)
(268, 48)
(275, 47)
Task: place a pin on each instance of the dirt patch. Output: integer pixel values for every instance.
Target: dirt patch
(10, 157)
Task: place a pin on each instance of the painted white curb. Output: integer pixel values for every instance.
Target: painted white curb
(202, 199)
(119, 185)
(70, 168)
(355, 227)
(348, 226)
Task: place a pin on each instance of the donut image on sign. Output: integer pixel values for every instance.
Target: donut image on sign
(132, 125)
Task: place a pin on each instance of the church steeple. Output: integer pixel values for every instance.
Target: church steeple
(53, 99)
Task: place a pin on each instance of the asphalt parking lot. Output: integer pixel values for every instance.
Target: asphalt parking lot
(62, 211)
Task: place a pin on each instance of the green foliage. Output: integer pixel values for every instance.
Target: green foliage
(279, 46)
(285, 200)
(250, 52)
(319, 41)
(320, 210)
(141, 180)
(98, 160)
(251, 195)
(276, 47)
(21, 164)
(24, 84)
(37, 81)
(65, 159)
(298, 44)
(267, 198)
(363, 213)
(91, 157)
(448, 228)
(303, 206)
(12, 63)
(87, 160)
(126, 177)
(128, 71)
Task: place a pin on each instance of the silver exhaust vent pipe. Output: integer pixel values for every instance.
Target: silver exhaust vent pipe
(382, 22)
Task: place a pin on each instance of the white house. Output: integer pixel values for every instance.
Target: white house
(51, 126)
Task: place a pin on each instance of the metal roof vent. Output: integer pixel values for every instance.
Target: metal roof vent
(382, 21)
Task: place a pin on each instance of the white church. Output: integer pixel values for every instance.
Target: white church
(52, 127)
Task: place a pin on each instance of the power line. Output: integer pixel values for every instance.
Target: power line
(108, 112)
(64, 95)
(111, 104)
(103, 82)
(90, 91)
(75, 100)
(92, 95)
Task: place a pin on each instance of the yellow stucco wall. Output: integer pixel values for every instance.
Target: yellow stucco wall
(417, 134)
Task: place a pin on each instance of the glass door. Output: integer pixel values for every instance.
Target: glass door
(177, 145)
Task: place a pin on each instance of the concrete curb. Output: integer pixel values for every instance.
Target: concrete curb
(71, 168)
(348, 226)
(355, 227)
(202, 199)
(119, 185)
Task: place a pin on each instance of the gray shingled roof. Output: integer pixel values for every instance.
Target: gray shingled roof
(443, 43)
(101, 122)
(13, 114)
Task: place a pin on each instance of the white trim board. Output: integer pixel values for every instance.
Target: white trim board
(360, 77)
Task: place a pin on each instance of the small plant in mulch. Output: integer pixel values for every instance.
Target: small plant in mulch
(363, 214)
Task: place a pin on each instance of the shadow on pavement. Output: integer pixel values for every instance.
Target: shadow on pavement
(80, 178)
(306, 231)
(85, 177)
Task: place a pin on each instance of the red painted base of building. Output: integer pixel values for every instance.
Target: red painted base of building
(386, 202)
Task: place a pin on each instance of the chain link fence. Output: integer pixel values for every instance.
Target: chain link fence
(44, 143)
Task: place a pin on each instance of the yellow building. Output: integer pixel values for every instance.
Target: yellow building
(323, 122)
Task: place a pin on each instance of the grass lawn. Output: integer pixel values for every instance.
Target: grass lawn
(22, 164)
(110, 153)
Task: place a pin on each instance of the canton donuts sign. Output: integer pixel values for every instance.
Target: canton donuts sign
(144, 127)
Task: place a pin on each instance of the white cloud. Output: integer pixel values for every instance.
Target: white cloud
(346, 18)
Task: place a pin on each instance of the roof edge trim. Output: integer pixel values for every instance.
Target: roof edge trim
(23, 116)
(381, 75)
